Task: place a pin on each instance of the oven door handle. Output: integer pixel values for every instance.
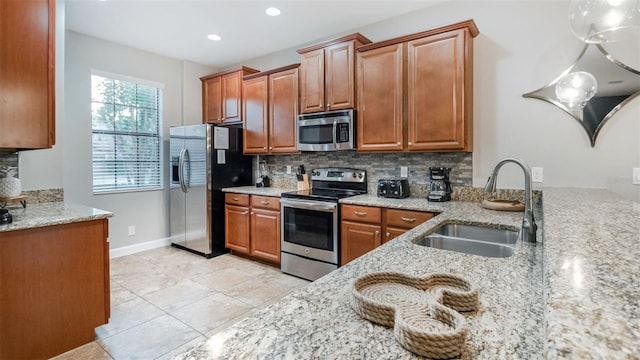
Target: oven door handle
(328, 207)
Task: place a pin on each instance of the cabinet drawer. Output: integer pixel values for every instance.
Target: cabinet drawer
(265, 202)
(406, 219)
(362, 213)
(236, 199)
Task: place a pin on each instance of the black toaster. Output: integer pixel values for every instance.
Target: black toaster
(393, 188)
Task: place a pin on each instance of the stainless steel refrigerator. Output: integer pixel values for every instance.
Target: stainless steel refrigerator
(204, 159)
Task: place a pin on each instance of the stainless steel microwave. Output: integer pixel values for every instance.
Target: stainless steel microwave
(326, 131)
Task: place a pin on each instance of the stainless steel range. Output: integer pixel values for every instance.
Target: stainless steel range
(310, 241)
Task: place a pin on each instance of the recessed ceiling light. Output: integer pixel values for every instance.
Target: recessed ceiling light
(272, 11)
(214, 37)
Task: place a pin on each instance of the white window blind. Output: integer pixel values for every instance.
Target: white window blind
(125, 116)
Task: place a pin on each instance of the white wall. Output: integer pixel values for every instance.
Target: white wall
(522, 46)
(147, 210)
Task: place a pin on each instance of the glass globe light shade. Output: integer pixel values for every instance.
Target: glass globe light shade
(600, 21)
(576, 88)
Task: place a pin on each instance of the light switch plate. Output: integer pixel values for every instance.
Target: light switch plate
(288, 169)
(536, 174)
(404, 171)
(636, 176)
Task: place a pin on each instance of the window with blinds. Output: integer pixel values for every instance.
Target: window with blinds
(125, 117)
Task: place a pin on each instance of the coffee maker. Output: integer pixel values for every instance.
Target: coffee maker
(440, 188)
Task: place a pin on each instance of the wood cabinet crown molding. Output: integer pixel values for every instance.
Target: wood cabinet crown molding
(470, 25)
(353, 37)
(272, 71)
(244, 69)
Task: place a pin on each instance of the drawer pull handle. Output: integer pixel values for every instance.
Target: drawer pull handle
(264, 202)
(245, 212)
(406, 219)
(377, 232)
(388, 234)
(236, 199)
(360, 213)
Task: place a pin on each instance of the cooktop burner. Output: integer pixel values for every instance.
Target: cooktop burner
(332, 184)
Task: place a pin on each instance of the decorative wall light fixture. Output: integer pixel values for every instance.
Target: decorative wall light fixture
(599, 21)
(576, 88)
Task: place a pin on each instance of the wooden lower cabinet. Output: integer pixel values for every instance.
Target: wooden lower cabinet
(253, 229)
(363, 228)
(237, 229)
(358, 239)
(54, 288)
(397, 222)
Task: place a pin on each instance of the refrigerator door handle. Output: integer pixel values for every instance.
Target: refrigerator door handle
(183, 153)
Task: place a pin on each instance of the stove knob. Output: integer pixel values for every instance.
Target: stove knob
(360, 175)
(354, 174)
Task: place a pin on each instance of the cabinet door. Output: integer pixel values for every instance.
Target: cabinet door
(380, 97)
(435, 90)
(358, 239)
(27, 114)
(231, 101)
(265, 234)
(391, 233)
(339, 76)
(236, 225)
(255, 114)
(312, 81)
(212, 100)
(283, 111)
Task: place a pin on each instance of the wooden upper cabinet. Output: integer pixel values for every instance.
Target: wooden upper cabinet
(212, 100)
(327, 74)
(434, 99)
(222, 95)
(312, 81)
(283, 111)
(27, 74)
(380, 96)
(340, 76)
(270, 111)
(437, 92)
(256, 110)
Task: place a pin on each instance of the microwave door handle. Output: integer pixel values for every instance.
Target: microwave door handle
(335, 134)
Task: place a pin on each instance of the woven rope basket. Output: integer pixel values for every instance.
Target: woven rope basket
(421, 310)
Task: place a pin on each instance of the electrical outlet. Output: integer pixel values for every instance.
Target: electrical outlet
(404, 171)
(288, 169)
(536, 174)
(132, 230)
(636, 176)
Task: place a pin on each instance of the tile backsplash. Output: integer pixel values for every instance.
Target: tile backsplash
(378, 166)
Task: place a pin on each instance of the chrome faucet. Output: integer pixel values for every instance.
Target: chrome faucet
(529, 226)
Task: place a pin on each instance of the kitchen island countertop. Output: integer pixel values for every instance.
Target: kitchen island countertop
(582, 303)
(53, 213)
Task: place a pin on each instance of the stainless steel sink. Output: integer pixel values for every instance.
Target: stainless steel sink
(471, 239)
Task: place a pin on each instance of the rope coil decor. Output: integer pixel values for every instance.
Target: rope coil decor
(423, 311)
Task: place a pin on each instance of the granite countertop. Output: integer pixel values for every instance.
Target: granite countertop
(318, 322)
(581, 303)
(252, 190)
(592, 283)
(54, 213)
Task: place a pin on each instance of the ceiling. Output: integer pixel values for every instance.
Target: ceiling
(179, 28)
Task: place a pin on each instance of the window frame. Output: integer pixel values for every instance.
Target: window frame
(159, 135)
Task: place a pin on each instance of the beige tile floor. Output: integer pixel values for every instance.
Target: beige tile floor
(165, 301)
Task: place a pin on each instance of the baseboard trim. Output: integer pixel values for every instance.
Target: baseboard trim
(136, 248)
